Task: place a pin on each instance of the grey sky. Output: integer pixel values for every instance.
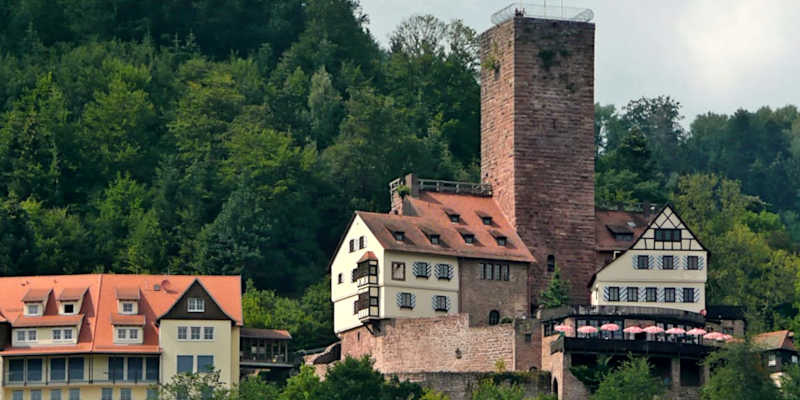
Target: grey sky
(709, 55)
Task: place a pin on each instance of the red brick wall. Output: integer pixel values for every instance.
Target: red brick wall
(478, 296)
(430, 344)
(537, 141)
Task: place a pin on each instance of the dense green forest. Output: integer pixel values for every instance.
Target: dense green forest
(237, 137)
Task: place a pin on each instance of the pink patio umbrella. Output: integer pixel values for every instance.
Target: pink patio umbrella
(609, 327)
(713, 336)
(675, 331)
(727, 337)
(633, 329)
(562, 328)
(587, 329)
(696, 332)
(653, 329)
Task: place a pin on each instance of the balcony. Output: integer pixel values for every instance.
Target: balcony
(367, 306)
(619, 346)
(264, 348)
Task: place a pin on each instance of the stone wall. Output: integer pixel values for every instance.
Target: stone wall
(478, 296)
(562, 381)
(537, 141)
(459, 385)
(440, 344)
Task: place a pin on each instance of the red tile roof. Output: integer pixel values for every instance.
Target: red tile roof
(127, 293)
(429, 215)
(35, 295)
(775, 340)
(609, 221)
(96, 333)
(72, 293)
(368, 256)
(47, 320)
(265, 333)
(127, 320)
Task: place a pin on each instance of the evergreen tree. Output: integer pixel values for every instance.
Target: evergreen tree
(630, 381)
(557, 292)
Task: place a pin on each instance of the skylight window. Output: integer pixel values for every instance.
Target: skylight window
(452, 215)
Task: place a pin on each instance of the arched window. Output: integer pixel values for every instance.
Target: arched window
(551, 263)
(494, 317)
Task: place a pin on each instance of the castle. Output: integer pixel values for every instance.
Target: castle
(450, 280)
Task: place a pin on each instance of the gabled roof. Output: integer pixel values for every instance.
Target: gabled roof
(36, 295)
(72, 293)
(95, 317)
(777, 340)
(610, 216)
(429, 213)
(233, 317)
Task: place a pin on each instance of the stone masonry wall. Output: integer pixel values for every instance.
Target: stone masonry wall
(537, 141)
(479, 296)
(441, 344)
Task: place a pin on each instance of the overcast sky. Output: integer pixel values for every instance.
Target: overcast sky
(709, 55)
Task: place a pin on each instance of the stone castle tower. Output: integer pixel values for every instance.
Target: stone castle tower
(537, 142)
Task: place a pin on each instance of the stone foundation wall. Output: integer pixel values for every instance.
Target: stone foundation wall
(440, 344)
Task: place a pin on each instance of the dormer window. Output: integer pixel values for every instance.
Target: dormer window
(452, 215)
(399, 235)
(196, 304)
(32, 309)
(485, 218)
(468, 238)
(127, 307)
(501, 239)
(432, 235)
(68, 308)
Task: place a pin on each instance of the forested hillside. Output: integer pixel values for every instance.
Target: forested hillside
(237, 137)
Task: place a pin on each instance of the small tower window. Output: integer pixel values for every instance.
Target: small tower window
(551, 263)
(494, 317)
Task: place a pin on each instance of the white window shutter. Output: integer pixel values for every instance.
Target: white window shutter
(659, 261)
(605, 293)
(651, 262)
(684, 263)
(660, 295)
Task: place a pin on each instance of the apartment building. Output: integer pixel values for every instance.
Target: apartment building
(109, 337)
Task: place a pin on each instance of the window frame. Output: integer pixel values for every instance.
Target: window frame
(107, 393)
(74, 394)
(689, 299)
(613, 294)
(184, 357)
(406, 304)
(206, 330)
(195, 305)
(639, 259)
(401, 266)
(667, 235)
(693, 260)
(635, 291)
(35, 306)
(206, 357)
(362, 242)
(195, 329)
(125, 305)
(647, 292)
(183, 331)
(667, 292)
(68, 304)
(440, 303)
(664, 262)
(494, 317)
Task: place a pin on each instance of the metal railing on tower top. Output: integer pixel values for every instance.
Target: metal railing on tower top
(554, 10)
